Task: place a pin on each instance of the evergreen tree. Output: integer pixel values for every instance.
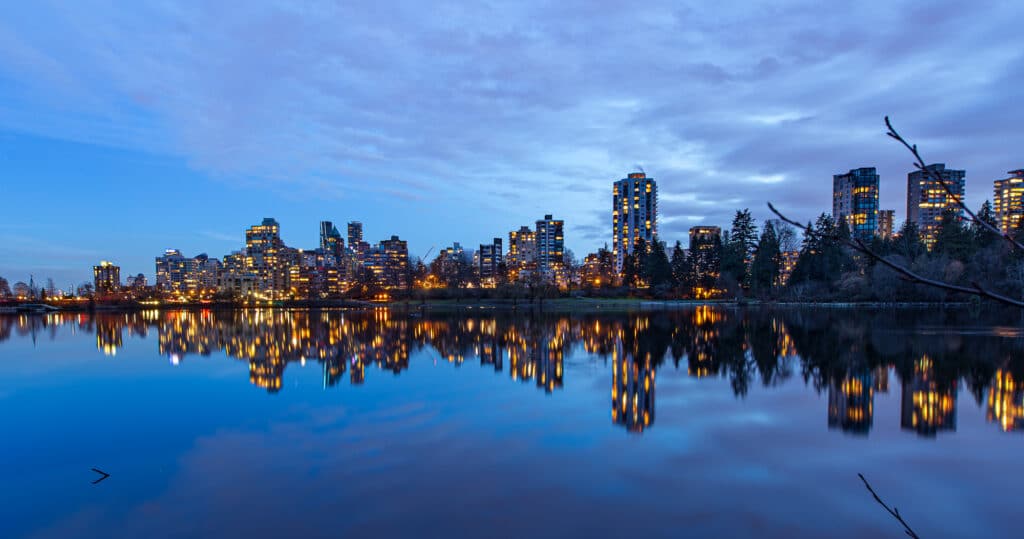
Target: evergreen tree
(641, 253)
(629, 271)
(953, 239)
(739, 247)
(657, 267)
(908, 242)
(983, 237)
(767, 260)
(680, 265)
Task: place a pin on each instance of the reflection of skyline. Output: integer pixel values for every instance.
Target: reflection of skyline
(928, 404)
(842, 357)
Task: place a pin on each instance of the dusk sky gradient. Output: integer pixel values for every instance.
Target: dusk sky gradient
(130, 127)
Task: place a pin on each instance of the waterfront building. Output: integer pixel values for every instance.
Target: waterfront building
(1009, 201)
(137, 283)
(489, 259)
(855, 201)
(551, 249)
(267, 258)
(179, 274)
(106, 278)
(886, 219)
(634, 214)
(928, 200)
(356, 246)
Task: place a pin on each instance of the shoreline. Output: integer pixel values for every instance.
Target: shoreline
(510, 305)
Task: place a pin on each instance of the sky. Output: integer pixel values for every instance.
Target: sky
(127, 128)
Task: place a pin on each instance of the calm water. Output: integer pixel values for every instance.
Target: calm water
(705, 422)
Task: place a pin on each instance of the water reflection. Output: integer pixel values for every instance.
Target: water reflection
(847, 354)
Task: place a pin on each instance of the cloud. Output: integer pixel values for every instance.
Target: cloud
(527, 107)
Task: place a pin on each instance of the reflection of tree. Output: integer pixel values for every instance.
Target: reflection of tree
(848, 353)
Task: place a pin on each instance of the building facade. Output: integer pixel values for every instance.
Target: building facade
(106, 278)
(522, 252)
(855, 201)
(928, 200)
(634, 214)
(550, 248)
(705, 253)
(489, 261)
(1008, 204)
(886, 220)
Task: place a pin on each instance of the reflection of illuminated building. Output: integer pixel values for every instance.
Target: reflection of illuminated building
(108, 338)
(1005, 402)
(928, 406)
(851, 403)
(632, 391)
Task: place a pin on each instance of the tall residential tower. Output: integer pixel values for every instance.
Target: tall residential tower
(634, 214)
(927, 199)
(855, 200)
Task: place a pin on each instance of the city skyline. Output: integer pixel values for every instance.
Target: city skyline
(124, 140)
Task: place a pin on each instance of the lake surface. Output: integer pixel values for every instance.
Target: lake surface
(706, 422)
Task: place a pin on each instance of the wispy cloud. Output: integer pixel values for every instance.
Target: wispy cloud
(526, 105)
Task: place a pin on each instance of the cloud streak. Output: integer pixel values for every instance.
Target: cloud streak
(528, 107)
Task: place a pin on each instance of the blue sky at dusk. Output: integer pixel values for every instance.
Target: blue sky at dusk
(130, 127)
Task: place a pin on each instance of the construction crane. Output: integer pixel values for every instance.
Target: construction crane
(431, 250)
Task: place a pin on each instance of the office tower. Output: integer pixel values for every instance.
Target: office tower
(331, 241)
(928, 200)
(106, 278)
(634, 214)
(855, 201)
(550, 248)
(1008, 204)
(885, 223)
(489, 259)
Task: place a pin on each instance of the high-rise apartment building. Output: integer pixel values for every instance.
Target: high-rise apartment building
(1009, 201)
(522, 251)
(106, 277)
(928, 200)
(182, 275)
(886, 219)
(267, 258)
(489, 259)
(855, 201)
(634, 214)
(396, 262)
(550, 247)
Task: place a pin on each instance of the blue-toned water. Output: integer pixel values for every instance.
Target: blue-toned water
(705, 422)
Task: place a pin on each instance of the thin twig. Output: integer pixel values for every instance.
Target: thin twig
(894, 512)
(920, 165)
(975, 289)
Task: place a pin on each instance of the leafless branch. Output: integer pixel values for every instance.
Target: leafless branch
(894, 512)
(858, 245)
(920, 165)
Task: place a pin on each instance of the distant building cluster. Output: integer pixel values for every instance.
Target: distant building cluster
(266, 268)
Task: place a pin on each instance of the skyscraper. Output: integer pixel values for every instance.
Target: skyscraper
(927, 200)
(355, 233)
(1009, 206)
(634, 214)
(396, 262)
(855, 201)
(267, 257)
(886, 218)
(331, 241)
(550, 248)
